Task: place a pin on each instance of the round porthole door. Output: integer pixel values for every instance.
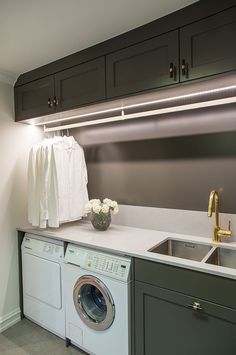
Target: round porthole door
(94, 303)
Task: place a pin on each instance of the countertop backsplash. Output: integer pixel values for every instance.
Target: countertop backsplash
(195, 223)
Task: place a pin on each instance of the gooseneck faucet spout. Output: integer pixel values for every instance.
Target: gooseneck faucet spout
(218, 232)
(214, 196)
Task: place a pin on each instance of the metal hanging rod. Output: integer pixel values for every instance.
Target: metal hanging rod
(142, 114)
(145, 104)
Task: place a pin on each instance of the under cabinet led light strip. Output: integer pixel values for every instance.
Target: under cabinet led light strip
(161, 111)
(141, 104)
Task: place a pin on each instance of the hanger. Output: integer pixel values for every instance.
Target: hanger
(46, 134)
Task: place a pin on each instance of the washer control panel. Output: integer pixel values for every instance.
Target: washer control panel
(106, 264)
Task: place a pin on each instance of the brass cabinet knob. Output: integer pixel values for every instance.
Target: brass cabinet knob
(55, 101)
(196, 306)
(185, 68)
(172, 71)
(50, 102)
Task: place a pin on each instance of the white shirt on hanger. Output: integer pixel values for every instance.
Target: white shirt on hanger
(33, 208)
(57, 182)
(71, 176)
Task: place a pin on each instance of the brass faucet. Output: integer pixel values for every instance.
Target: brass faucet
(218, 232)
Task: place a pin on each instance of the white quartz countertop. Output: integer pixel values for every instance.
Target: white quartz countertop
(134, 242)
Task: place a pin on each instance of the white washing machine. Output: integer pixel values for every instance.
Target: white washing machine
(97, 294)
(43, 298)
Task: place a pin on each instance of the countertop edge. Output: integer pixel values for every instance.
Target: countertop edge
(197, 266)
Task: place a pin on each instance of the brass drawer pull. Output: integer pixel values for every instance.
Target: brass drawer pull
(196, 306)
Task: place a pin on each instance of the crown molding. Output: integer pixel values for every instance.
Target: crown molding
(7, 78)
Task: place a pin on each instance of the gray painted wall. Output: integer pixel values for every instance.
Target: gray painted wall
(169, 161)
(175, 172)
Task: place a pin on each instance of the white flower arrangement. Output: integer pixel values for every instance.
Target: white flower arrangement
(106, 205)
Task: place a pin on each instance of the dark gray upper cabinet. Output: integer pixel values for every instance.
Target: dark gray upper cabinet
(193, 43)
(147, 65)
(80, 85)
(165, 320)
(207, 47)
(34, 99)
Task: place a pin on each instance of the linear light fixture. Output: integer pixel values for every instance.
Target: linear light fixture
(155, 112)
(141, 104)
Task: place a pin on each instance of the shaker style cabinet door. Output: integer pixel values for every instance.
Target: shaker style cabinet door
(34, 99)
(166, 323)
(80, 85)
(147, 65)
(207, 47)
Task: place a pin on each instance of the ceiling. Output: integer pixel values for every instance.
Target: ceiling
(36, 32)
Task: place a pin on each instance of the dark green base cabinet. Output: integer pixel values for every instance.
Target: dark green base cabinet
(166, 322)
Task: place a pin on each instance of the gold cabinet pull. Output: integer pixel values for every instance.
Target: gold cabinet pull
(55, 101)
(172, 71)
(50, 103)
(196, 306)
(184, 68)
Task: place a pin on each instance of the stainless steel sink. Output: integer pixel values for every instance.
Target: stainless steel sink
(182, 249)
(223, 257)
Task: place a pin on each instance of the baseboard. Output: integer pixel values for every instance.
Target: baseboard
(10, 319)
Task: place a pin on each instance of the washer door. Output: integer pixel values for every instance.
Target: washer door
(94, 303)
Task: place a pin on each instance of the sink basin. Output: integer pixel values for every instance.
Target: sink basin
(182, 249)
(223, 257)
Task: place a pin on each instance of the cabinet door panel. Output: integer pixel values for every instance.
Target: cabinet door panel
(208, 46)
(166, 324)
(81, 85)
(31, 100)
(143, 66)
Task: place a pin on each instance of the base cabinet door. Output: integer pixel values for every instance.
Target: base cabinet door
(34, 99)
(147, 65)
(80, 85)
(171, 323)
(207, 47)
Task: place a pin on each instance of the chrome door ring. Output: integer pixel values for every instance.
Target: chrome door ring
(78, 303)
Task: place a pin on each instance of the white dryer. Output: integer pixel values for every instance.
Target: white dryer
(43, 298)
(97, 294)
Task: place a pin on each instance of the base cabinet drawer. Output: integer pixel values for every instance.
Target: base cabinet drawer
(212, 288)
(172, 323)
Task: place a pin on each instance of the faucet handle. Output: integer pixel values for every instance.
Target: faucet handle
(225, 232)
